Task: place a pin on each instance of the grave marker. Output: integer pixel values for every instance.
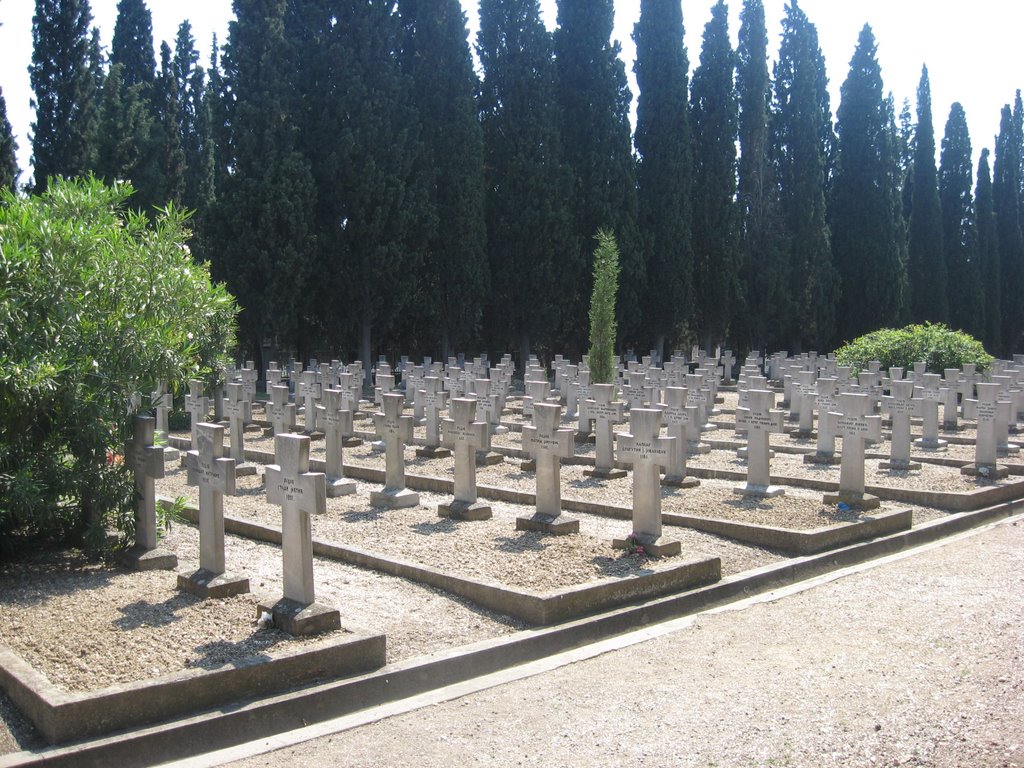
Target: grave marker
(197, 406)
(988, 411)
(434, 400)
(147, 464)
(678, 416)
(464, 435)
(900, 405)
(163, 403)
(826, 402)
(336, 420)
(855, 426)
(548, 445)
(760, 420)
(395, 430)
(606, 413)
(927, 390)
(238, 411)
(280, 412)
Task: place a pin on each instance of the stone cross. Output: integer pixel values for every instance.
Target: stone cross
(728, 361)
(464, 435)
(606, 412)
(826, 401)
(434, 399)
(548, 445)
(280, 412)
(196, 406)
(950, 392)
(760, 420)
(395, 430)
(337, 419)
(697, 394)
(927, 390)
(273, 374)
(249, 376)
(309, 391)
(806, 385)
(488, 409)
(300, 493)
(214, 473)
(989, 412)
(900, 405)
(583, 394)
(238, 411)
(163, 403)
(633, 392)
(855, 426)
(968, 379)
(678, 417)
(147, 464)
(648, 452)
(536, 392)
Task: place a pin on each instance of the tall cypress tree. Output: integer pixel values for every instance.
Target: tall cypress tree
(192, 118)
(665, 174)
(1007, 204)
(8, 149)
(867, 224)
(264, 238)
(714, 109)
(168, 131)
(959, 231)
(64, 83)
(802, 137)
(927, 264)
(455, 270)
(528, 186)
(594, 98)
(132, 46)
(988, 254)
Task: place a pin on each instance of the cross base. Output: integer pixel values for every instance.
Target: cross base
(822, 458)
(930, 445)
(351, 442)
(709, 427)
(802, 434)
(900, 466)
(206, 584)
(605, 473)
(171, 454)
(501, 429)
(952, 426)
(488, 458)
(1007, 450)
(252, 429)
(433, 452)
(138, 558)
(680, 482)
(985, 471)
(297, 618)
(659, 546)
(395, 499)
(563, 525)
(759, 491)
(465, 510)
(859, 501)
(530, 465)
(378, 446)
(244, 469)
(584, 437)
(741, 453)
(340, 487)
(314, 437)
(695, 449)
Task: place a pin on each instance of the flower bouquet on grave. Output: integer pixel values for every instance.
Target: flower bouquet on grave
(634, 547)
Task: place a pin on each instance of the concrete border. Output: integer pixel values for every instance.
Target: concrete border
(537, 609)
(257, 719)
(61, 716)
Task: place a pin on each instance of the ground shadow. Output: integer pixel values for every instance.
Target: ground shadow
(441, 525)
(523, 541)
(220, 652)
(623, 566)
(145, 614)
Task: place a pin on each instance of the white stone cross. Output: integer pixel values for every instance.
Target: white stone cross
(728, 361)
(214, 473)
(238, 412)
(606, 413)
(855, 427)
(395, 430)
(309, 390)
(249, 377)
(806, 385)
(950, 392)
(583, 394)
(337, 420)
(648, 452)
(826, 401)
(633, 392)
(280, 411)
(300, 493)
(464, 435)
(678, 418)
(196, 405)
(536, 392)
(900, 405)
(697, 394)
(759, 420)
(434, 400)
(147, 464)
(548, 445)
(927, 390)
(273, 374)
(989, 412)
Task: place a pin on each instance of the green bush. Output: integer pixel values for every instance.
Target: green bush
(936, 345)
(96, 305)
(601, 356)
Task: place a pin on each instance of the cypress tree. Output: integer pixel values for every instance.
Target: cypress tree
(8, 149)
(594, 97)
(64, 83)
(988, 254)
(528, 186)
(867, 225)
(168, 130)
(1007, 204)
(603, 329)
(714, 110)
(665, 173)
(132, 46)
(264, 237)
(455, 272)
(959, 232)
(805, 303)
(927, 264)
(192, 118)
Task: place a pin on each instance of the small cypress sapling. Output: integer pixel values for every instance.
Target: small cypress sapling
(602, 308)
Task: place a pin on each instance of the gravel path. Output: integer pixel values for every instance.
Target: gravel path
(919, 662)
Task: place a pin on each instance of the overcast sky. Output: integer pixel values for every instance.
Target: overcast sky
(971, 49)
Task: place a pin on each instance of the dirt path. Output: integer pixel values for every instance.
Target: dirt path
(917, 662)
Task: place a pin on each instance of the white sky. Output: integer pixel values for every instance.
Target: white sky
(971, 49)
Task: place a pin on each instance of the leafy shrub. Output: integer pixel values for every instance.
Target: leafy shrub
(938, 346)
(96, 305)
(603, 330)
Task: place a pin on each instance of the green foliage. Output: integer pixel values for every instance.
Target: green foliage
(8, 148)
(97, 306)
(934, 344)
(988, 253)
(132, 45)
(602, 309)
(1006, 199)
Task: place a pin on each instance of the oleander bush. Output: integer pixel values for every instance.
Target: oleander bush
(935, 344)
(96, 305)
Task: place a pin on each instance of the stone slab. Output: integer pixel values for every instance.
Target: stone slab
(489, 459)
(207, 585)
(821, 459)
(859, 501)
(759, 491)
(433, 453)
(684, 482)
(605, 474)
(461, 510)
(141, 559)
(563, 525)
(660, 546)
(298, 619)
(395, 499)
(900, 466)
(995, 472)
